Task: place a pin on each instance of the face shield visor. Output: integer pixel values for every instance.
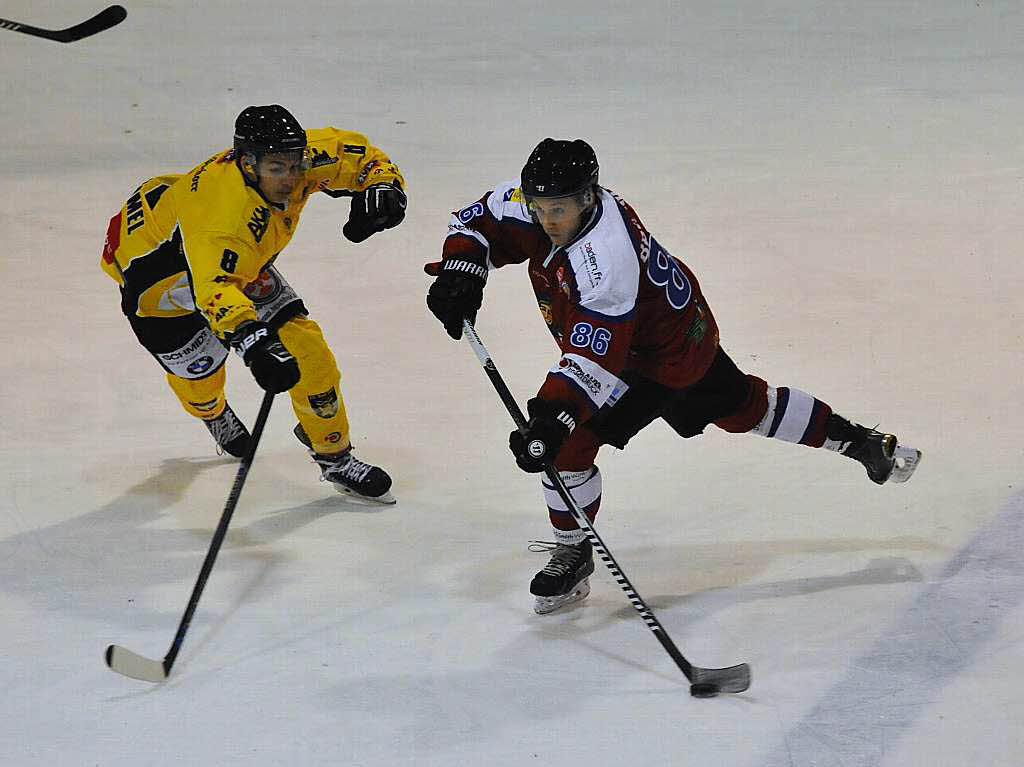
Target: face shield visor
(278, 164)
(576, 203)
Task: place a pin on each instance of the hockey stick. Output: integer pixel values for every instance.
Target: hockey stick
(704, 682)
(126, 662)
(105, 19)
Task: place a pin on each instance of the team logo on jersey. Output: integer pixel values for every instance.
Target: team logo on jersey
(264, 288)
(546, 313)
(325, 404)
(319, 159)
(467, 214)
(259, 223)
(201, 365)
(334, 437)
(699, 327)
(560, 275)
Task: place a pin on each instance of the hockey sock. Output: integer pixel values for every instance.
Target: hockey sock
(794, 416)
(585, 487)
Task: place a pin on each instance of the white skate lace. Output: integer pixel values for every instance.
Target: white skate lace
(562, 561)
(225, 428)
(346, 467)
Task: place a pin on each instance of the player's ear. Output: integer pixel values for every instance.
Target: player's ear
(248, 164)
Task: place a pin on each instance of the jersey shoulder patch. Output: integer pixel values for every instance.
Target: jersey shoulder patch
(506, 201)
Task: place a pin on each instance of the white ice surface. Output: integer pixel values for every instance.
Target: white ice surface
(845, 179)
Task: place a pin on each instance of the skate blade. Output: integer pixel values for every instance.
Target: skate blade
(907, 459)
(545, 605)
(381, 500)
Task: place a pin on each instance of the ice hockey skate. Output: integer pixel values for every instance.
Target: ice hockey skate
(564, 579)
(883, 457)
(348, 474)
(229, 433)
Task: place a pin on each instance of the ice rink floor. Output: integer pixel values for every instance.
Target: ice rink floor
(846, 181)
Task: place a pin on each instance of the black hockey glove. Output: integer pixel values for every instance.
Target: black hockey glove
(273, 366)
(456, 293)
(380, 207)
(547, 430)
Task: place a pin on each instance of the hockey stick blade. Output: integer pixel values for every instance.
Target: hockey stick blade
(731, 679)
(105, 19)
(130, 664)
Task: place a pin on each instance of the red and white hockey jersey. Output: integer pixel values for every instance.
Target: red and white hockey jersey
(613, 298)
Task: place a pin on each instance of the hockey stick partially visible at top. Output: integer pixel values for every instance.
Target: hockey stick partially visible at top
(103, 20)
(705, 682)
(126, 662)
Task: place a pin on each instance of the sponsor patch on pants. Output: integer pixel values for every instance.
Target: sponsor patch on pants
(325, 404)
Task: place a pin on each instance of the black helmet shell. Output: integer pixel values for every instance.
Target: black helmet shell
(264, 130)
(559, 168)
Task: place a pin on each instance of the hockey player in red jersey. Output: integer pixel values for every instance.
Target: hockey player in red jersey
(194, 255)
(638, 342)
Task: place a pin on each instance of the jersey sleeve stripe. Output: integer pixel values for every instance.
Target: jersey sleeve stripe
(470, 234)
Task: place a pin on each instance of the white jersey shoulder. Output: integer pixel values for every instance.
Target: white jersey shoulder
(605, 262)
(506, 201)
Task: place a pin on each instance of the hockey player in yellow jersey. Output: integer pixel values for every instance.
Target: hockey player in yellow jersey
(194, 257)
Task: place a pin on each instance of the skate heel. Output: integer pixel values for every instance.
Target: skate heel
(907, 459)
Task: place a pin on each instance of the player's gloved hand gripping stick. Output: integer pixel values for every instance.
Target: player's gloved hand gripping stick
(704, 682)
(130, 664)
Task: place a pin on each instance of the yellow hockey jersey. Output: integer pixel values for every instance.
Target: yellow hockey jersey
(193, 242)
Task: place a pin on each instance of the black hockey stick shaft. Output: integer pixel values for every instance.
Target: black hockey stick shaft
(222, 529)
(105, 19)
(739, 675)
(218, 536)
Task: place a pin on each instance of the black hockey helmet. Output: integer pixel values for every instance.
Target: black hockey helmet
(559, 168)
(267, 129)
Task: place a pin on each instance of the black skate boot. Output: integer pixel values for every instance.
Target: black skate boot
(353, 477)
(876, 452)
(880, 454)
(564, 578)
(229, 433)
(349, 475)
